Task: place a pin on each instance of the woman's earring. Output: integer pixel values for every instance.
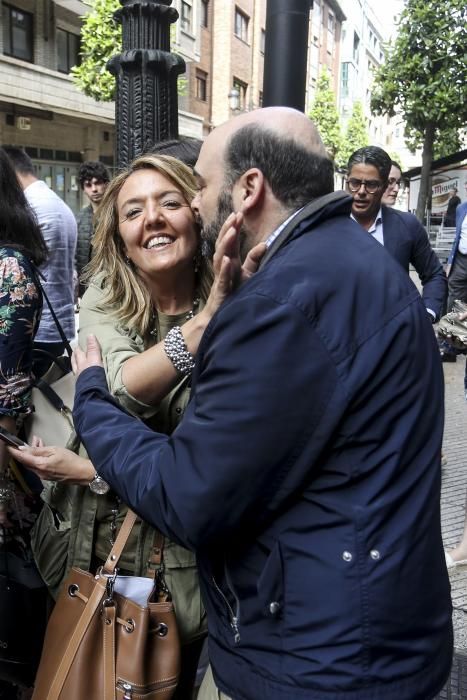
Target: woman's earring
(127, 261)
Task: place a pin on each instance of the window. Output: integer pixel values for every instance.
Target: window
(186, 17)
(345, 80)
(260, 98)
(242, 90)
(241, 25)
(17, 33)
(67, 50)
(330, 23)
(356, 47)
(262, 41)
(201, 85)
(204, 13)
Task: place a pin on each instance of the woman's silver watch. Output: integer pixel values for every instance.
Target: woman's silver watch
(98, 485)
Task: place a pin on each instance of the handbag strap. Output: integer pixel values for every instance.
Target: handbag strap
(90, 608)
(155, 556)
(53, 398)
(119, 544)
(61, 332)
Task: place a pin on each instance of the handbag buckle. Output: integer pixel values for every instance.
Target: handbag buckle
(109, 587)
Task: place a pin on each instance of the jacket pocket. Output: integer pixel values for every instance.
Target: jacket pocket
(270, 585)
(50, 538)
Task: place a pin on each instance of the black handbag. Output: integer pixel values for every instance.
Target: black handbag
(23, 614)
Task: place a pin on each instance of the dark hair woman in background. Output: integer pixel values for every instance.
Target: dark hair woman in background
(22, 247)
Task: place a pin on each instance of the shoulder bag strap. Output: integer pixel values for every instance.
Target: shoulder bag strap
(120, 542)
(155, 556)
(54, 316)
(90, 608)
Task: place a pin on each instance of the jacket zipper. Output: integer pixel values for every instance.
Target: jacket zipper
(233, 618)
(128, 688)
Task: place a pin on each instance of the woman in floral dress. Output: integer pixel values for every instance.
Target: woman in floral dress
(22, 247)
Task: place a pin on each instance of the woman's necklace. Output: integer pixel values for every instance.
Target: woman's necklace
(189, 315)
(193, 309)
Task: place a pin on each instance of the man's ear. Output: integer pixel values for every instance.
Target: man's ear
(250, 189)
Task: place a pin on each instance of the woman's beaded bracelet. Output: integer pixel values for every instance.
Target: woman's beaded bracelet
(177, 351)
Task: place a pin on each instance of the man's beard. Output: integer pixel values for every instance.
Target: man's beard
(210, 231)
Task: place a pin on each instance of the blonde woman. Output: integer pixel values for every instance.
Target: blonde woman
(150, 297)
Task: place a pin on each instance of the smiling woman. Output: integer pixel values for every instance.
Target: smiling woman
(151, 294)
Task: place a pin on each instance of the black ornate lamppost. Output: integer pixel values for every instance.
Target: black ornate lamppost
(146, 105)
(285, 55)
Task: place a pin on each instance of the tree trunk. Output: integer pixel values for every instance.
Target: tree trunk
(427, 158)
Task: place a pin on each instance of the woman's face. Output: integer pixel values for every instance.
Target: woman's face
(156, 224)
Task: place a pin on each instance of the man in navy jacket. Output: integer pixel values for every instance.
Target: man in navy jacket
(306, 470)
(401, 233)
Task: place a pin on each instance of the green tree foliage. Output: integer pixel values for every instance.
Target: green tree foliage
(447, 142)
(424, 77)
(325, 115)
(101, 38)
(356, 135)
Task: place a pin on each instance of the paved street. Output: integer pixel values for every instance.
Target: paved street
(454, 488)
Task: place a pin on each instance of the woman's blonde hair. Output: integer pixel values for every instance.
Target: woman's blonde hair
(124, 290)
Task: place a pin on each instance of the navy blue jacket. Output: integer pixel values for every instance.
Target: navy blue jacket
(407, 241)
(306, 475)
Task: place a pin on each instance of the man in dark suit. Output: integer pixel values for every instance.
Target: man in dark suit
(400, 232)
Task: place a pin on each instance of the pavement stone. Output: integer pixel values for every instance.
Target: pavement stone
(454, 487)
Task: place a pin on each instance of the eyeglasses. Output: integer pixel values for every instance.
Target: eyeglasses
(371, 186)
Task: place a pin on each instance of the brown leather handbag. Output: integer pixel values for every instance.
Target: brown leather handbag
(100, 645)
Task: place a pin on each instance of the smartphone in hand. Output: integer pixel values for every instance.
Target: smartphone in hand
(11, 439)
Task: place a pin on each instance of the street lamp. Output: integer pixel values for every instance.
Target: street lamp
(234, 99)
(146, 105)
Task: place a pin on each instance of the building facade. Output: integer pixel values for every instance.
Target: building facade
(231, 57)
(363, 36)
(42, 111)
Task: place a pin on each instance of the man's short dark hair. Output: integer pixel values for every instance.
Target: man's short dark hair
(296, 175)
(90, 169)
(372, 155)
(20, 160)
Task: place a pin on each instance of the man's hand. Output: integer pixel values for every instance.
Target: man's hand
(91, 358)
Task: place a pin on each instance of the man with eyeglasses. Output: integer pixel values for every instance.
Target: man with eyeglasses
(395, 185)
(399, 232)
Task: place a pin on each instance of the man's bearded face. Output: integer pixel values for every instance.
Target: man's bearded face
(210, 230)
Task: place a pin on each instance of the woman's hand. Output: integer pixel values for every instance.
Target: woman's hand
(54, 463)
(229, 272)
(91, 358)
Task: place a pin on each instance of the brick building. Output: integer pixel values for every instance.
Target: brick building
(232, 40)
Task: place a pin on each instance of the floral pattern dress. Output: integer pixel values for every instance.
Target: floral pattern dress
(20, 312)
